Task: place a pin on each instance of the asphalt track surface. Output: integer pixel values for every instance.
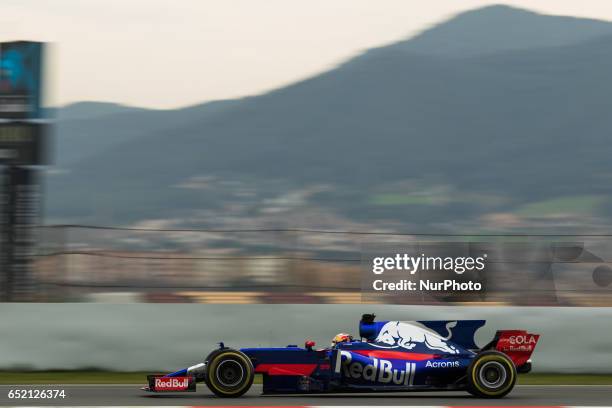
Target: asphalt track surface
(533, 395)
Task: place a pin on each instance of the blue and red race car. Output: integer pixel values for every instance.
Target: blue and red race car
(390, 356)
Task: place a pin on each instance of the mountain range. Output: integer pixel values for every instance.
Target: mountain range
(496, 114)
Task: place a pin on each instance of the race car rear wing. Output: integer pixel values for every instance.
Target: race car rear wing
(516, 344)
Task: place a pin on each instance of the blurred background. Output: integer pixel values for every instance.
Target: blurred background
(301, 266)
(213, 166)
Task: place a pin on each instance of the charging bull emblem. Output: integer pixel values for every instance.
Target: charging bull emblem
(408, 335)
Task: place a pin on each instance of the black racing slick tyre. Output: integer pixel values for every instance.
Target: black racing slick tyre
(491, 375)
(229, 373)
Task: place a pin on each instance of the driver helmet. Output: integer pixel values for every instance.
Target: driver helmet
(341, 338)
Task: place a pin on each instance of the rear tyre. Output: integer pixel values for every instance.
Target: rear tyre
(229, 373)
(491, 375)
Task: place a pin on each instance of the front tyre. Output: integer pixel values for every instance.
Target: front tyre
(229, 373)
(491, 375)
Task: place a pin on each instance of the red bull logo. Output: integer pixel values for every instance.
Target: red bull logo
(409, 334)
(171, 383)
(379, 371)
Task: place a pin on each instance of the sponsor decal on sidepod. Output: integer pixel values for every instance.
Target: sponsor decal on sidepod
(380, 370)
(442, 364)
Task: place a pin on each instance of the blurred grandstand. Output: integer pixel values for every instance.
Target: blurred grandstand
(107, 264)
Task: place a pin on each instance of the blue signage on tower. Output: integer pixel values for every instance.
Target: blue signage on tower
(20, 80)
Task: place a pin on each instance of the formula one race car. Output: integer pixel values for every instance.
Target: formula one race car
(391, 356)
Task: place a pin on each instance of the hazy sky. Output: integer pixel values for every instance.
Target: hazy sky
(171, 53)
